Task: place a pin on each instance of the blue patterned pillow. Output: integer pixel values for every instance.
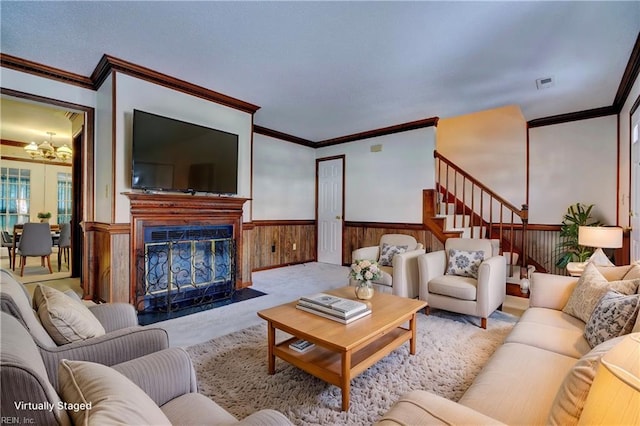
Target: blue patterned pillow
(464, 263)
(614, 315)
(387, 253)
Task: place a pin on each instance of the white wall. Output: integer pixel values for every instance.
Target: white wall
(570, 163)
(103, 153)
(283, 180)
(387, 186)
(133, 93)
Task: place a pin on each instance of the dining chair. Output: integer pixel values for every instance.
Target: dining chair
(7, 241)
(64, 244)
(35, 242)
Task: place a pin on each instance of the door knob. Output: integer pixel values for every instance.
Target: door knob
(338, 217)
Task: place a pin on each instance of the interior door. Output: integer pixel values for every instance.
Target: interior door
(635, 186)
(330, 208)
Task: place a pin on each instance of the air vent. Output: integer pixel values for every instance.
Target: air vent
(545, 83)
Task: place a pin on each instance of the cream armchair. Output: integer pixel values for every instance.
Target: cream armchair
(444, 287)
(397, 255)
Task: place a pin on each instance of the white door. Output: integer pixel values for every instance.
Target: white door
(635, 186)
(330, 209)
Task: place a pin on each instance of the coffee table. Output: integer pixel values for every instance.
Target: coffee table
(342, 351)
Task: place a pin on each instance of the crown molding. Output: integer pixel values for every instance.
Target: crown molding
(30, 67)
(629, 76)
(283, 136)
(572, 116)
(412, 125)
(108, 64)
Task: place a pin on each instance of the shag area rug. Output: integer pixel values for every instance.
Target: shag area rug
(451, 350)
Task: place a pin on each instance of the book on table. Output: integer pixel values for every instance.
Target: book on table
(335, 315)
(333, 304)
(302, 346)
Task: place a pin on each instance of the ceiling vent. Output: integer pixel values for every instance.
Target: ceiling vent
(545, 83)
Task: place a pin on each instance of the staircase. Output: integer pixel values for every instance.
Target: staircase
(462, 206)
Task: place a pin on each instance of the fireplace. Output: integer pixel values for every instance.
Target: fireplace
(186, 250)
(186, 266)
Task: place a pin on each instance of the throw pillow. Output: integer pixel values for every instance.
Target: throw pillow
(590, 288)
(464, 263)
(614, 273)
(572, 394)
(65, 319)
(634, 272)
(102, 395)
(614, 315)
(387, 253)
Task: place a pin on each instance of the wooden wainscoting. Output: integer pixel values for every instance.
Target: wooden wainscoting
(106, 257)
(272, 243)
(365, 234)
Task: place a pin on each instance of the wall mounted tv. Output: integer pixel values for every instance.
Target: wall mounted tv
(173, 155)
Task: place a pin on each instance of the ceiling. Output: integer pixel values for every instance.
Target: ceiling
(321, 70)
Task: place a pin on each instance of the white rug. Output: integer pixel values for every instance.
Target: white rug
(451, 350)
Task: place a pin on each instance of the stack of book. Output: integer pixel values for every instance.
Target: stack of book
(334, 308)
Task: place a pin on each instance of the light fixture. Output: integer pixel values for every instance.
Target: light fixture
(47, 151)
(600, 237)
(614, 397)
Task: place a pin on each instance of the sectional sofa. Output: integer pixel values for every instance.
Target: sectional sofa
(543, 371)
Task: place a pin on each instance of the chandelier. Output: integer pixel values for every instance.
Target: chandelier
(47, 151)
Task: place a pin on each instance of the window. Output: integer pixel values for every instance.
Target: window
(15, 193)
(64, 197)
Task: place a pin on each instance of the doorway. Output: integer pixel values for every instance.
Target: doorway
(330, 208)
(81, 142)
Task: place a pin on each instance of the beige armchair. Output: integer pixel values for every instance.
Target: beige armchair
(397, 255)
(443, 285)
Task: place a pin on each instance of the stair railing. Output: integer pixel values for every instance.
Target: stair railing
(475, 205)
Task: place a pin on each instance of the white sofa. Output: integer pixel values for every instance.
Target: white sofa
(523, 382)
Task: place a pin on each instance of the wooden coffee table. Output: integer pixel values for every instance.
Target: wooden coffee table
(342, 351)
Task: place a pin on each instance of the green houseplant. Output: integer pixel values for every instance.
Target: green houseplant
(569, 250)
(44, 216)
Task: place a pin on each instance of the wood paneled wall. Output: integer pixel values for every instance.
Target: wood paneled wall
(106, 268)
(271, 243)
(365, 234)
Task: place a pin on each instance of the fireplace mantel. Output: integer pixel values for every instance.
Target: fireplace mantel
(143, 203)
(165, 209)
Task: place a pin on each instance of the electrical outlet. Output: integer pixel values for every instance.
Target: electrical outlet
(273, 248)
(294, 246)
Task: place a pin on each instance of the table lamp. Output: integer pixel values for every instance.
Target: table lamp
(614, 397)
(600, 237)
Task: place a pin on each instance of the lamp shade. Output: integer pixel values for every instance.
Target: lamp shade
(600, 236)
(614, 397)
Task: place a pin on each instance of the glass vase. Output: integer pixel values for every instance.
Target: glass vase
(364, 290)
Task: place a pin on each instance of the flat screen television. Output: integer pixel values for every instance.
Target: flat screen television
(173, 155)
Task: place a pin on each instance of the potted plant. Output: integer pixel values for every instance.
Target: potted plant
(569, 250)
(44, 216)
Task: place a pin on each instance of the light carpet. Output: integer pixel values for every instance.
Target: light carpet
(281, 285)
(451, 350)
